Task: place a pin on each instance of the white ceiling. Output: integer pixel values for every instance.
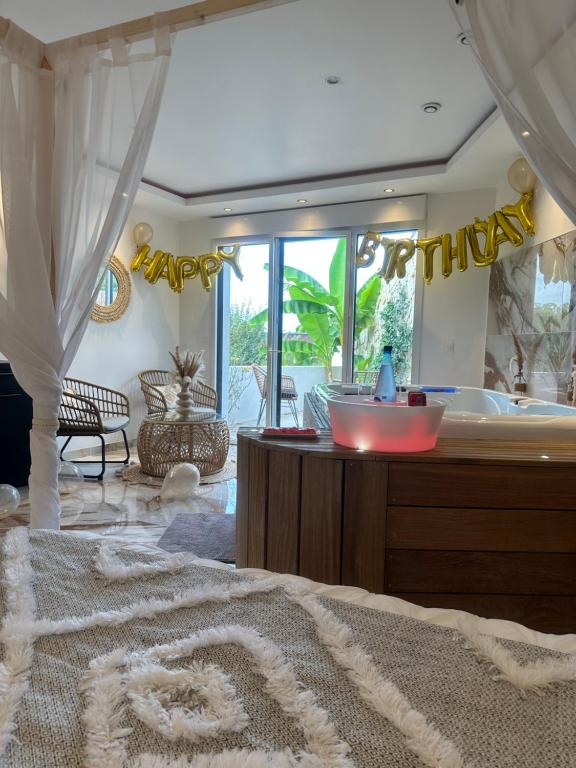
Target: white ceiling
(248, 121)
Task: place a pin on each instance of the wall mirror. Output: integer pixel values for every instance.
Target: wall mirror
(114, 294)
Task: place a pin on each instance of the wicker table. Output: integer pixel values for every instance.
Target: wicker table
(164, 441)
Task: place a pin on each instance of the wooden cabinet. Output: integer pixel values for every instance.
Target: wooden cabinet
(486, 528)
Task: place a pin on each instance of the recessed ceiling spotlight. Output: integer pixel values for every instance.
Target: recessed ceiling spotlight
(388, 190)
(302, 201)
(525, 134)
(431, 107)
(227, 210)
(464, 38)
(332, 80)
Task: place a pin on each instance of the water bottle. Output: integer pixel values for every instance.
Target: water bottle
(385, 391)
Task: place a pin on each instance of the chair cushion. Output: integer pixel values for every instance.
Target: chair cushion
(170, 392)
(114, 423)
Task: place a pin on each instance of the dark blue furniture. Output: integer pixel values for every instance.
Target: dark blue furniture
(15, 424)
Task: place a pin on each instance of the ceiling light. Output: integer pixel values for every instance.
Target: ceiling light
(227, 210)
(464, 38)
(431, 107)
(525, 133)
(332, 80)
(388, 190)
(301, 201)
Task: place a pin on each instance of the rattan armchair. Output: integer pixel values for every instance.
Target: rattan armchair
(89, 410)
(288, 392)
(150, 381)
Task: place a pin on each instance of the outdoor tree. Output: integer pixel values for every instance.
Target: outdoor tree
(320, 312)
(247, 346)
(247, 340)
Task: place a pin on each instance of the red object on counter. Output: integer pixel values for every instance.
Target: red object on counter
(291, 432)
(416, 397)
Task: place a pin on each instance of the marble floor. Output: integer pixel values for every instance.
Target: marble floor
(131, 512)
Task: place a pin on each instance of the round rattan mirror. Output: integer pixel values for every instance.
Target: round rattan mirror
(114, 294)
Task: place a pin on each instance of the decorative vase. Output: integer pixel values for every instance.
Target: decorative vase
(185, 401)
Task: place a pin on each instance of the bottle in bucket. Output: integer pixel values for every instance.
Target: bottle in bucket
(385, 391)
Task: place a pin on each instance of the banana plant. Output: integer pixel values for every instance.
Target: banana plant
(320, 311)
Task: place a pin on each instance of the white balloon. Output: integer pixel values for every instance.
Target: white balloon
(9, 499)
(142, 233)
(70, 477)
(180, 483)
(521, 177)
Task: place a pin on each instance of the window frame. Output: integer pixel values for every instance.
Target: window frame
(274, 354)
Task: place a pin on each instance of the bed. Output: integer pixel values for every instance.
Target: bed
(117, 657)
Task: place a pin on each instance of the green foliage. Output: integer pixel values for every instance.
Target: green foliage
(320, 312)
(395, 327)
(390, 323)
(247, 340)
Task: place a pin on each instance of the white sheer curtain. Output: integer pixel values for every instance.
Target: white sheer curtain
(527, 50)
(73, 143)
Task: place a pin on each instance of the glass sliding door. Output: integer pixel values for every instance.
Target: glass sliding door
(243, 338)
(384, 314)
(303, 315)
(312, 276)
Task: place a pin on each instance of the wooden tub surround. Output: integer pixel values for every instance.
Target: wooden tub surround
(488, 528)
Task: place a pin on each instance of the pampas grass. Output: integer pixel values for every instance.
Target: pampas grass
(190, 364)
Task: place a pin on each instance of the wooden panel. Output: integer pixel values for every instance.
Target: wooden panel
(485, 453)
(492, 572)
(258, 499)
(242, 502)
(364, 527)
(481, 529)
(455, 485)
(190, 15)
(283, 512)
(546, 613)
(321, 519)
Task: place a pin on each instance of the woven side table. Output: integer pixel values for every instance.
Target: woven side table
(163, 442)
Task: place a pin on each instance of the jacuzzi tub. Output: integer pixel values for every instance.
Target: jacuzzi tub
(482, 414)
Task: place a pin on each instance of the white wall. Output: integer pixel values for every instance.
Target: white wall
(112, 354)
(454, 310)
(197, 306)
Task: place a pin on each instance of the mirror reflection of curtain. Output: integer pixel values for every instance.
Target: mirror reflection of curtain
(527, 51)
(73, 143)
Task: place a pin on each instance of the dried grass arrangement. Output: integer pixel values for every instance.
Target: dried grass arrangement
(188, 365)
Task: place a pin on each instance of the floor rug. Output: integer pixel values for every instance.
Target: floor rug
(207, 534)
(134, 474)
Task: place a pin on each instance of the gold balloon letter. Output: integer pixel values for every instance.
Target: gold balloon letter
(522, 210)
(509, 231)
(428, 245)
(458, 253)
(154, 271)
(367, 251)
(141, 258)
(210, 264)
(232, 258)
(401, 253)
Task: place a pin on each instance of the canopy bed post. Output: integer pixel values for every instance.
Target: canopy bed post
(62, 214)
